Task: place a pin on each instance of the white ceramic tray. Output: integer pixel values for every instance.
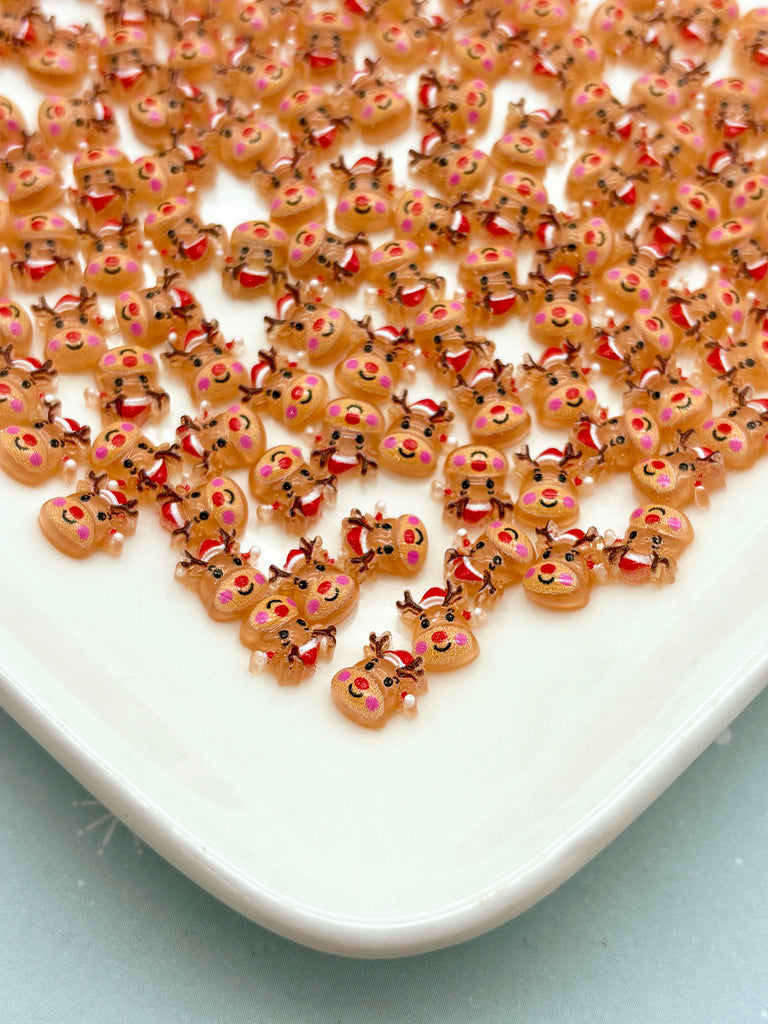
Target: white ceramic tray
(516, 772)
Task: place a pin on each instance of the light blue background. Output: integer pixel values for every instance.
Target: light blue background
(669, 924)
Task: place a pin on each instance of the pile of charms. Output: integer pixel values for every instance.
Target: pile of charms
(272, 90)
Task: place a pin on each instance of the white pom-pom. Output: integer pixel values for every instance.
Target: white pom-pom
(116, 542)
(437, 490)
(410, 707)
(257, 662)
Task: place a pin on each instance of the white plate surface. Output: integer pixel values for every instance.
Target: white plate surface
(516, 772)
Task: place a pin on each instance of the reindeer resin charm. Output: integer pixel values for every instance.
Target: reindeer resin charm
(159, 314)
(24, 382)
(191, 512)
(228, 584)
(284, 483)
(325, 593)
(94, 517)
(686, 473)
(560, 390)
(349, 437)
(549, 487)
(413, 438)
(646, 552)
(366, 191)
(382, 682)
(492, 408)
(372, 543)
(257, 257)
(282, 642)
(293, 395)
(307, 322)
(561, 578)
(441, 633)
(232, 439)
(33, 453)
(485, 567)
(136, 465)
(474, 491)
(74, 333)
(127, 385)
(616, 442)
(377, 363)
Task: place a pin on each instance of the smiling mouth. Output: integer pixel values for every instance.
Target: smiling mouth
(628, 288)
(111, 271)
(560, 323)
(329, 600)
(74, 346)
(406, 455)
(247, 591)
(547, 504)
(546, 582)
(442, 648)
(576, 404)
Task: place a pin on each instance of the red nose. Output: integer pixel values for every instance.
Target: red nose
(112, 261)
(324, 587)
(409, 444)
(549, 493)
(572, 393)
(439, 636)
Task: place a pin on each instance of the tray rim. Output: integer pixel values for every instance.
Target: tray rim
(361, 937)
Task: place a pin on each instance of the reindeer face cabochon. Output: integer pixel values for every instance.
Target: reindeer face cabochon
(561, 577)
(227, 583)
(324, 593)
(547, 490)
(15, 324)
(414, 439)
(200, 511)
(371, 690)
(442, 637)
(32, 454)
(93, 517)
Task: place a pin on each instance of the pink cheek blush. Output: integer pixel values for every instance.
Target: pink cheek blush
(225, 597)
(569, 502)
(83, 532)
(425, 457)
(421, 647)
(372, 703)
(528, 498)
